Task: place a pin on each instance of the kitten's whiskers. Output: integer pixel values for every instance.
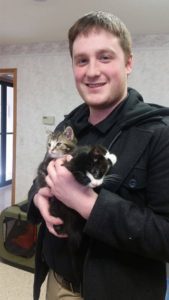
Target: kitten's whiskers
(111, 178)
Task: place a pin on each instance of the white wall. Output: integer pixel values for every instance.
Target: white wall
(45, 86)
(150, 75)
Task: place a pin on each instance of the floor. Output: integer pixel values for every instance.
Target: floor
(16, 284)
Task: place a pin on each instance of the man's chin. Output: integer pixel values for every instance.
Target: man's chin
(99, 105)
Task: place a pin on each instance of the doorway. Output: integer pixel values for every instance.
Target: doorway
(8, 111)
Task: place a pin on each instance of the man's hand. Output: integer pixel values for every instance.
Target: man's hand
(41, 201)
(65, 188)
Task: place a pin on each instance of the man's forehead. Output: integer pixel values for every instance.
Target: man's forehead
(100, 39)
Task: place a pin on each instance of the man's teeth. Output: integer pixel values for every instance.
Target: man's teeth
(95, 84)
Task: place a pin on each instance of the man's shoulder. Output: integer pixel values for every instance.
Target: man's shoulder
(166, 120)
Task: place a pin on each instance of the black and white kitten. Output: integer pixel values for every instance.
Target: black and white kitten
(89, 166)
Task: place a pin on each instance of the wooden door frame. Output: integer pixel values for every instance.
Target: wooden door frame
(13, 71)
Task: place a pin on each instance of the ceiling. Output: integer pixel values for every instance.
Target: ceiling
(31, 21)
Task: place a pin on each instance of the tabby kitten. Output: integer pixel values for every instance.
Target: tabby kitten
(58, 144)
(89, 166)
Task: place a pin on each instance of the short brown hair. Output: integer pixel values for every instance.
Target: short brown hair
(101, 20)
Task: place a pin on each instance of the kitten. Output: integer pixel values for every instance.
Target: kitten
(89, 166)
(58, 144)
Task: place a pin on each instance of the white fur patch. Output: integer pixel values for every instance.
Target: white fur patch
(112, 157)
(93, 181)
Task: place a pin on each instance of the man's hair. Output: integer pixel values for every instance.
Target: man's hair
(101, 20)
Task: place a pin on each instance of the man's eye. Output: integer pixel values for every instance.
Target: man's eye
(105, 58)
(81, 61)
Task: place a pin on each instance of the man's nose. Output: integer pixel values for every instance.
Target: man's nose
(93, 69)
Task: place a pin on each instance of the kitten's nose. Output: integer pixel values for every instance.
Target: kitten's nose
(93, 185)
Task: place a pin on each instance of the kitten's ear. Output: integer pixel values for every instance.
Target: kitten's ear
(98, 150)
(68, 132)
(48, 132)
(112, 157)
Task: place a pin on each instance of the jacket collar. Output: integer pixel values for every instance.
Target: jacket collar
(131, 111)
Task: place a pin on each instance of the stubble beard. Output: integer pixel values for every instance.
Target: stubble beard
(111, 104)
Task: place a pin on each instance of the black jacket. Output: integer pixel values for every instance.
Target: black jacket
(128, 228)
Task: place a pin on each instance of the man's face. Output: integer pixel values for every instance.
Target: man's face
(100, 69)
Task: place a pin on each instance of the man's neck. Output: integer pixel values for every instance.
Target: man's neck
(97, 115)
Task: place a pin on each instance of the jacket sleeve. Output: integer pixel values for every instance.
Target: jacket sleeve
(138, 223)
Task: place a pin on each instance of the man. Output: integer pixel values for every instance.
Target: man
(127, 224)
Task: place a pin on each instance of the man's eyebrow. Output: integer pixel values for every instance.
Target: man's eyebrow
(107, 50)
(79, 55)
(97, 52)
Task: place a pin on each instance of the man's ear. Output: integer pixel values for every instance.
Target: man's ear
(129, 64)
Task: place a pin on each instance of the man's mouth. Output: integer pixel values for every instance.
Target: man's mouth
(95, 85)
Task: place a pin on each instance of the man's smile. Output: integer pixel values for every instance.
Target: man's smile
(95, 85)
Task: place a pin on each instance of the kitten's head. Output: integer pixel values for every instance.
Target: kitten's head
(100, 161)
(60, 143)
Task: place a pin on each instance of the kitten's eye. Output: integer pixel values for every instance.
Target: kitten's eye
(49, 144)
(59, 144)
